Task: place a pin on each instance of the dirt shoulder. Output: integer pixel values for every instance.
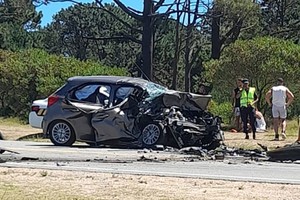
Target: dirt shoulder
(16, 131)
(52, 184)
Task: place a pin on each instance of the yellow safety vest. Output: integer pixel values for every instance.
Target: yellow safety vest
(247, 98)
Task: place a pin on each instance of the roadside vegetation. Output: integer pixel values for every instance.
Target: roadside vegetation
(32, 74)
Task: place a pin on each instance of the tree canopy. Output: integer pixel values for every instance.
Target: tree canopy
(262, 60)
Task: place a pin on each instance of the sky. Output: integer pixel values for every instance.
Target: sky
(53, 7)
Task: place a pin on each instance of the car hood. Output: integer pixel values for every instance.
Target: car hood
(185, 100)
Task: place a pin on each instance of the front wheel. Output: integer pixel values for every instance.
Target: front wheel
(152, 134)
(61, 134)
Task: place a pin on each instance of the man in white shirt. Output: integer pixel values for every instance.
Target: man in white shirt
(279, 94)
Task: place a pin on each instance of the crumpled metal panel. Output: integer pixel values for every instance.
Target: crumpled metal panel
(113, 124)
(188, 101)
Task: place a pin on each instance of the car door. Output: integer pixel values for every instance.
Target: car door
(81, 104)
(118, 121)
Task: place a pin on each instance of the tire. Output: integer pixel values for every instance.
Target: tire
(152, 134)
(61, 134)
(210, 142)
(1, 138)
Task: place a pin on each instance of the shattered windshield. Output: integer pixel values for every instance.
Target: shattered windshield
(154, 90)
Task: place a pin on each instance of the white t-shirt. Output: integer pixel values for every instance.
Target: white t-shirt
(279, 95)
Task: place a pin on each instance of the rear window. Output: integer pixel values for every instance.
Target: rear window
(60, 91)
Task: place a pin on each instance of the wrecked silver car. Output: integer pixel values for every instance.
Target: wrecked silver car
(129, 112)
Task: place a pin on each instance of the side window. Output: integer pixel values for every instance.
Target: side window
(93, 93)
(122, 93)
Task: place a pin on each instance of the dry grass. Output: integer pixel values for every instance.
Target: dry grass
(237, 140)
(33, 184)
(13, 129)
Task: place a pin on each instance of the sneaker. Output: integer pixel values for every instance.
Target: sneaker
(283, 135)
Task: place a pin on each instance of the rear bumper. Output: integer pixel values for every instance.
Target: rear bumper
(35, 121)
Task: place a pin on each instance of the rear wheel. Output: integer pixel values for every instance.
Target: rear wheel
(61, 134)
(152, 134)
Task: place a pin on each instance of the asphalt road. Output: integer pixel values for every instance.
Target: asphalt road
(145, 162)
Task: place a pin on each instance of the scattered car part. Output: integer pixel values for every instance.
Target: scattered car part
(289, 152)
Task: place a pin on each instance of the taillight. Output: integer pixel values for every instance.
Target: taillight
(35, 108)
(52, 100)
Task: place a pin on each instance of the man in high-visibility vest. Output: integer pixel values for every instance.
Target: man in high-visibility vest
(248, 98)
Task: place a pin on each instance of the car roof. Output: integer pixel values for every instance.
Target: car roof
(110, 80)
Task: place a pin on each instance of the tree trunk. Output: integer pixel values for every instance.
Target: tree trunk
(177, 52)
(187, 69)
(147, 40)
(187, 82)
(215, 37)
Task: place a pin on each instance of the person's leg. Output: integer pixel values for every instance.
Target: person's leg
(238, 119)
(298, 140)
(275, 124)
(244, 120)
(251, 112)
(275, 121)
(283, 128)
(283, 115)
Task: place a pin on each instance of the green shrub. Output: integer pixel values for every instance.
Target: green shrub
(223, 110)
(32, 74)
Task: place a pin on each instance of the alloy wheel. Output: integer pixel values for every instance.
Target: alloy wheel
(61, 133)
(151, 134)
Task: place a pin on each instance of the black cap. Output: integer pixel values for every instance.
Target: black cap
(245, 81)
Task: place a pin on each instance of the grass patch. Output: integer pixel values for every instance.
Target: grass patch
(38, 137)
(11, 121)
(21, 192)
(292, 128)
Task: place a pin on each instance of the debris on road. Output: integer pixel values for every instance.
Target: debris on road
(2, 150)
(223, 152)
(288, 152)
(29, 158)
